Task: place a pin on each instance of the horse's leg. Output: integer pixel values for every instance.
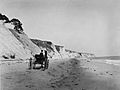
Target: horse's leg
(34, 65)
(44, 65)
(30, 63)
(47, 64)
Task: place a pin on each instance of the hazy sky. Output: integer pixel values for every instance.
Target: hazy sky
(82, 25)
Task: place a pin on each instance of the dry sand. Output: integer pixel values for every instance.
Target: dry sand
(69, 74)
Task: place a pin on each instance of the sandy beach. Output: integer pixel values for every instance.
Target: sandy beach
(67, 74)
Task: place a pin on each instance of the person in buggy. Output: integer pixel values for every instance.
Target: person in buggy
(41, 59)
(17, 24)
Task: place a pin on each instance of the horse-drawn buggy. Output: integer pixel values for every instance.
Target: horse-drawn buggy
(41, 60)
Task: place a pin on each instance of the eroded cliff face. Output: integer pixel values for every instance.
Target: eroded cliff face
(49, 46)
(54, 51)
(57, 51)
(15, 45)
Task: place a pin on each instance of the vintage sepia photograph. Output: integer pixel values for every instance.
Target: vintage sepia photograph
(59, 44)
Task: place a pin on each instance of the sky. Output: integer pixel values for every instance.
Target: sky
(91, 26)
